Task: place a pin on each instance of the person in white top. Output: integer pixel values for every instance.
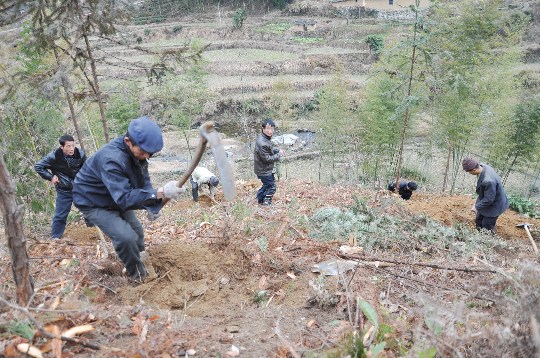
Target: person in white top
(199, 177)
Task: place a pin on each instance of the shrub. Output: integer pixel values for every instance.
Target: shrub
(523, 206)
(177, 28)
(279, 4)
(123, 107)
(413, 174)
(239, 17)
(375, 43)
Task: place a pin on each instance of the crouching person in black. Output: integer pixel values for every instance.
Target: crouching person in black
(405, 189)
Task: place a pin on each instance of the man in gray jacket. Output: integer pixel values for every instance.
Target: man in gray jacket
(265, 156)
(492, 200)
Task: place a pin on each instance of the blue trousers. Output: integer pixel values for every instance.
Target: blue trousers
(126, 233)
(268, 188)
(64, 199)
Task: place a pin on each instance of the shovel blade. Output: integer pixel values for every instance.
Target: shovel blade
(226, 177)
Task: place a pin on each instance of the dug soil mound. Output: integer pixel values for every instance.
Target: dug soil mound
(456, 209)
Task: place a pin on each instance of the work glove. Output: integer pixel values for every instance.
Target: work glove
(172, 191)
(152, 216)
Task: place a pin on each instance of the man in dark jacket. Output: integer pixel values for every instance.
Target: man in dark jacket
(405, 190)
(60, 167)
(114, 182)
(492, 200)
(265, 156)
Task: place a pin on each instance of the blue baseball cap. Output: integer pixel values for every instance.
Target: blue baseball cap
(146, 134)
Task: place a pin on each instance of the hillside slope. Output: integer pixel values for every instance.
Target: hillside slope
(236, 274)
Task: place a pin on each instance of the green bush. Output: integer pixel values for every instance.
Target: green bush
(374, 230)
(413, 174)
(280, 4)
(524, 206)
(31, 126)
(253, 106)
(375, 43)
(181, 98)
(122, 108)
(239, 17)
(241, 211)
(177, 28)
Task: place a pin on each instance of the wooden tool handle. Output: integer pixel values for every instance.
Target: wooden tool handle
(535, 248)
(208, 126)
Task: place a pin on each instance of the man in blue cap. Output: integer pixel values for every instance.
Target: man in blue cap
(114, 182)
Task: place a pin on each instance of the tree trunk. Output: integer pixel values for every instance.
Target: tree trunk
(97, 90)
(446, 169)
(406, 119)
(457, 157)
(65, 84)
(505, 177)
(333, 160)
(15, 236)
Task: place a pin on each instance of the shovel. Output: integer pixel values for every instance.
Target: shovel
(210, 137)
(526, 227)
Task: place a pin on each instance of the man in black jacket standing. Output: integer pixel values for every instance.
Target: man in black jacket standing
(492, 200)
(265, 156)
(60, 167)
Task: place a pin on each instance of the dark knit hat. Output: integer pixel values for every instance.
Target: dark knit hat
(412, 185)
(146, 134)
(214, 181)
(469, 164)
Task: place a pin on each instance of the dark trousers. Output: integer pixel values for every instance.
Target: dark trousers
(64, 199)
(126, 233)
(268, 188)
(194, 189)
(486, 222)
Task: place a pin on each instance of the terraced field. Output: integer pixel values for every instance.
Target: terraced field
(247, 63)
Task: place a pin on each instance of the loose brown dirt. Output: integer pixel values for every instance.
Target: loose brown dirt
(454, 209)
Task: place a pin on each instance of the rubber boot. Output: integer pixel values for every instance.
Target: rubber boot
(267, 200)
